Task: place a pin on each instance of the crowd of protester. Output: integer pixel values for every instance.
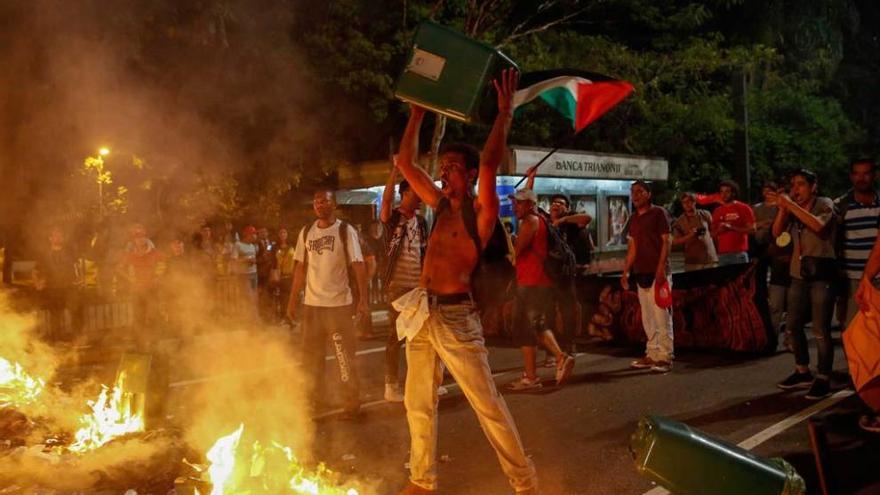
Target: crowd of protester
(810, 254)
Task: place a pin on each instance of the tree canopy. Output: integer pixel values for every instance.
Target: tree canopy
(234, 105)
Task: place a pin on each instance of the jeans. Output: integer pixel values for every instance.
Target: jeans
(317, 323)
(453, 334)
(658, 325)
(851, 286)
(813, 299)
(733, 258)
(777, 295)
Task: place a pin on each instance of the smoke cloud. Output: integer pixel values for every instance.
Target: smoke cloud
(200, 93)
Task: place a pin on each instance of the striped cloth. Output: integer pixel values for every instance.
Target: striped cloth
(408, 269)
(860, 224)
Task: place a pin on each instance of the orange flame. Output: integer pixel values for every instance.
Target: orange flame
(230, 477)
(17, 388)
(113, 414)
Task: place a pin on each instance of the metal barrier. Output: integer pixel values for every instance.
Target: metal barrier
(91, 314)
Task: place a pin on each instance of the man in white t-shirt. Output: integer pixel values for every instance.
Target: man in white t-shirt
(244, 256)
(323, 258)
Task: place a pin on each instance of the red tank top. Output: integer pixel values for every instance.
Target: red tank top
(530, 263)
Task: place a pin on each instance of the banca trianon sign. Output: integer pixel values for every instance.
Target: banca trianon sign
(587, 165)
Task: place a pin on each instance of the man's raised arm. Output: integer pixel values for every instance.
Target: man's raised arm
(388, 195)
(493, 154)
(407, 159)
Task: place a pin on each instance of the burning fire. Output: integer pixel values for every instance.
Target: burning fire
(17, 388)
(114, 414)
(271, 468)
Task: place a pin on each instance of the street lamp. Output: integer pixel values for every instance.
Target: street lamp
(102, 152)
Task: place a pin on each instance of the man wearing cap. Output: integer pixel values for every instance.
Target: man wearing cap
(244, 265)
(572, 228)
(535, 310)
(647, 263)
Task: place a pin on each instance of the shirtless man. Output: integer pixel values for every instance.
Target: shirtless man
(452, 331)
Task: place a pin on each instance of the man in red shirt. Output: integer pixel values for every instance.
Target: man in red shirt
(535, 310)
(732, 222)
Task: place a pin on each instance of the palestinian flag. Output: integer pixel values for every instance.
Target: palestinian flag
(580, 96)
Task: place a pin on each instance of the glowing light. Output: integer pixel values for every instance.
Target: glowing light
(113, 414)
(104, 151)
(222, 458)
(17, 388)
(272, 468)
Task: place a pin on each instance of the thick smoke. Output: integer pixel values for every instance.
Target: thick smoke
(198, 91)
(191, 98)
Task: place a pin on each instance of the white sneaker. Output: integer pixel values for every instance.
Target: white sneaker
(524, 383)
(392, 393)
(441, 390)
(564, 370)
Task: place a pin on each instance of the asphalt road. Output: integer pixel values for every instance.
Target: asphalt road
(578, 435)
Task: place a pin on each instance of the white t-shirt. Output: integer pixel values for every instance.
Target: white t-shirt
(245, 251)
(327, 270)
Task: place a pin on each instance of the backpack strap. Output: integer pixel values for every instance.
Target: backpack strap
(305, 235)
(469, 216)
(442, 205)
(423, 231)
(343, 236)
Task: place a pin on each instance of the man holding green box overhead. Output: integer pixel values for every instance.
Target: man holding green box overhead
(439, 319)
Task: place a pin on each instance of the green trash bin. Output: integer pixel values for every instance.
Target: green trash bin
(452, 74)
(686, 461)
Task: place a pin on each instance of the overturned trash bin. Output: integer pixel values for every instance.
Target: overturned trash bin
(686, 461)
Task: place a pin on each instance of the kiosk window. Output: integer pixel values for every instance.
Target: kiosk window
(618, 217)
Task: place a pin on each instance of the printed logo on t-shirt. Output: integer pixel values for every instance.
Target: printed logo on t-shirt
(318, 246)
(731, 216)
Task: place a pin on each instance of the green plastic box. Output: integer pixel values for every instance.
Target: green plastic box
(452, 74)
(686, 461)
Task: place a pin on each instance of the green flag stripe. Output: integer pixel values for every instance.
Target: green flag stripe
(563, 101)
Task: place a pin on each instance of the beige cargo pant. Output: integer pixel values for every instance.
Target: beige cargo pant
(453, 334)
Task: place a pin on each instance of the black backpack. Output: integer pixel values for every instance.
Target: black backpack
(560, 264)
(494, 272)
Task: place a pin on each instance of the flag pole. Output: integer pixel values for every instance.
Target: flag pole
(554, 150)
(567, 141)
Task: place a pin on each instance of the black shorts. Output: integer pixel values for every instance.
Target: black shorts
(535, 312)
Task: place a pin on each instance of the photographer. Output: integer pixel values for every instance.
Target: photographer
(691, 230)
(807, 221)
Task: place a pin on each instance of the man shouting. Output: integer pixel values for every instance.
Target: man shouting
(439, 319)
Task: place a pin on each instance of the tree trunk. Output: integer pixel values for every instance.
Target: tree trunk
(436, 141)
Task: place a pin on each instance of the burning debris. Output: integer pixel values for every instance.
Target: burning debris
(114, 413)
(269, 468)
(17, 388)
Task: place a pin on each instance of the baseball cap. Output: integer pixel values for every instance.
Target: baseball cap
(250, 229)
(524, 195)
